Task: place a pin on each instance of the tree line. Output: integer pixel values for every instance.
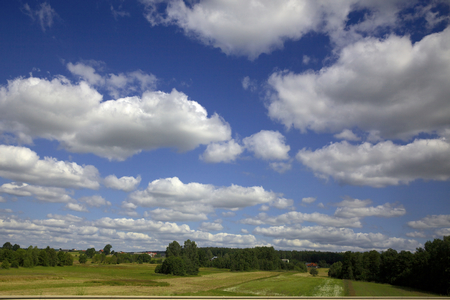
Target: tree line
(13, 256)
(427, 269)
(186, 260)
(264, 258)
(108, 256)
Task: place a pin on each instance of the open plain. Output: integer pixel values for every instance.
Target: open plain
(140, 280)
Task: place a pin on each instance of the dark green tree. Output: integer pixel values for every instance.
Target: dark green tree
(68, 260)
(388, 266)
(19, 256)
(335, 270)
(61, 258)
(27, 262)
(372, 265)
(90, 252)
(190, 257)
(174, 249)
(82, 259)
(107, 249)
(347, 266)
(43, 258)
(7, 245)
(52, 256)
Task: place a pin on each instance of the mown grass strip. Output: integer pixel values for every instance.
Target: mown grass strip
(126, 283)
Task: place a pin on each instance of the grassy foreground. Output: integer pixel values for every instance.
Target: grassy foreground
(140, 280)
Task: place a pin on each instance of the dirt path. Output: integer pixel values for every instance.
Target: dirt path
(348, 288)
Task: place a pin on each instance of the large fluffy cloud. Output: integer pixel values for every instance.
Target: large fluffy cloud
(198, 199)
(76, 116)
(24, 165)
(250, 28)
(389, 88)
(381, 164)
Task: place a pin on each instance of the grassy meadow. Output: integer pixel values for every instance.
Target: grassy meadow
(140, 280)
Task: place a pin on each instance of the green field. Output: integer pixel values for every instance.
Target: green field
(140, 280)
(359, 288)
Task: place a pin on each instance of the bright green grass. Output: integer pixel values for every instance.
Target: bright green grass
(284, 284)
(78, 275)
(378, 289)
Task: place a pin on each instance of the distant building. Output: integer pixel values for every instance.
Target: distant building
(312, 265)
(285, 260)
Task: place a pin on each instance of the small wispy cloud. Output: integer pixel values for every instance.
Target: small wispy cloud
(44, 14)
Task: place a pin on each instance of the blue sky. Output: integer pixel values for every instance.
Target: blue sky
(301, 124)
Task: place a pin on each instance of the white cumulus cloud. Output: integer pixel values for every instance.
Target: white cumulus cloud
(433, 221)
(386, 210)
(381, 164)
(46, 194)
(76, 116)
(336, 238)
(308, 200)
(21, 164)
(211, 226)
(196, 200)
(222, 152)
(390, 86)
(95, 201)
(268, 145)
(76, 207)
(348, 135)
(295, 217)
(124, 183)
(250, 28)
(178, 215)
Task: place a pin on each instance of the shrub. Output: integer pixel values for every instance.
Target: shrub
(82, 259)
(5, 264)
(15, 264)
(172, 265)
